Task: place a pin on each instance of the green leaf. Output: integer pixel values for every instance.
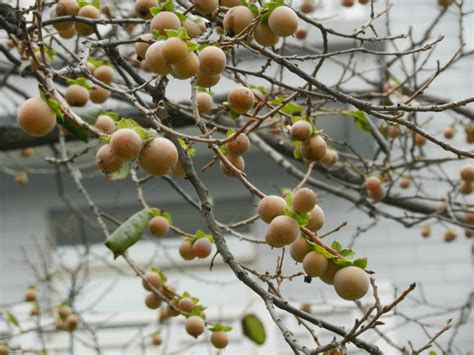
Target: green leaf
(123, 172)
(168, 6)
(219, 327)
(81, 133)
(360, 120)
(163, 277)
(321, 250)
(200, 234)
(297, 150)
(105, 139)
(362, 263)
(347, 253)
(171, 33)
(154, 11)
(128, 233)
(336, 245)
(253, 329)
(98, 63)
(12, 319)
(289, 198)
(181, 16)
(291, 108)
(79, 81)
(156, 212)
(192, 46)
(127, 123)
(111, 114)
(56, 107)
(229, 132)
(182, 34)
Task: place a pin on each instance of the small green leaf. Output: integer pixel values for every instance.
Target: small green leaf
(362, 263)
(347, 253)
(123, 172)
(127, 123)
(336, 245)
(168, 6)
(105, 139)
(154, 11)
(12, 319)
(253, 329)
(111, 114)
(171, 33)
(219, 327)
(192, 46)
(291, 109)
(181, 16)
(289, 199)
(229, 132)
(297, 150)
(163, 277)
(81, 133)
(360, 120)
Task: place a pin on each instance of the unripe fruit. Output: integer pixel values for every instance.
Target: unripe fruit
(68, 33)
(159, 226)
(314, 149)
(283, 21)
(219, 339)
(404, 182)
(159, 157)
(155, 61)
(204, 102)
(347, 3)
(77, 95)
(126, 144)
(238, 163)
(328, 276)
(301, 130)
(230, 3)
(141, 47)
(283, 230)
(156, 339)
(165, 20)
(467, 172)
(31, 295)
(372, 183)
(142, 8)
(105, 123)
(98, 94)
(264, 35)
(212, 60)
(304, 200)
(299, 248)
(192, 28)
(377, 195)
(316, 221)
(186, 304)
(186, 68)
(90, 12)
(152, 301)
(36, 118)
(466, 188)
(186, 250)
(206, 7)
(67, 8)
(239, 145)
(241, 99)
(195, 326)
(314, 264)
(351, 283)
(4, 350)
(104, 73)
(450, 235)
(207, 81)
(202, 248)
(106, 161)
(448, 132)
(237, 19)
(21, 178)
(425, 231)
(307, 6)
(72, 322)
(174, 50)
(152, 279)
(271, 206)
(330, 158)
(420, 140)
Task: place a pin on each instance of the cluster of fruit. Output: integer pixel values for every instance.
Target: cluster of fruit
(234, 150)
(70, 29)
(350, 3)
(79, 91)
(467, 176)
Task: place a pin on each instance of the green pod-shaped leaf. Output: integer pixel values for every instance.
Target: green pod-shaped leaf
(128, 233)
(253, 329)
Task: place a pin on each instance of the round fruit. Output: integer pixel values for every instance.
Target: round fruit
(142, 47)
(219, 339)
(363, 2)
(420, 140)
(241, 99)
(377, 195)
(404, 182)
(283, 21)
(304, 200)
(301, 34)
(61, 26)
(63, 311)
(168, 290)
(31, 295)
(237, 19)
(156, 339)
(72, 322)
(468, 233)
(466, 188)
(230, 3)
(77, 95)
(90, 12)
(307, 6)
(68, 33)
(4, 350)
(155, 61)
(202, 248)
(271, 206)
(264, 36)
(165, 20)
(35, 310)
(98, 94)
(393, 131)
(316, 221)
(106, 161)
(159, 157)
(186, 68)
(450, 235)
(174, 50)
(192, 28)
(467, 172)
(36, 118)
(186, 250)
(207, 81)
(330, 158)
(21, 178)
(142, 8)
(351, 283)
(178, 170)
(328, 276)
(159, 226)
(425, 231)
(195, 326)
(152, 279)
(212, 60)
(469, 217)
(27, 152)
(239, 145)
(104, 73)
(105, 123)
(126, 144)
(206, 7)
(299, 248)
(372, 183)
(67, 8)
(152, 301)
(237, 161)
(186, 304)
(448, 132)
(283, 230)
(315, 264)
(301, 130)
(347, 3)
(204, 102)
(445, 3)
(314, 149)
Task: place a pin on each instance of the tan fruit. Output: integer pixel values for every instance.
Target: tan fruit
(283, 21)
(207, 81)
(229, 3)
(283, 230)
(469, 217)
(142, 8)
(448, 132)
(237, 19)
(445, 3)
(77, 95)
(404, 182)
(307, 6)
(90, 12)
(186, 304)
(152, 279)
(104, 73)
(27, 152)
(72, 321)
(159, 226)
(155, 61)
(301, 130)
(450, 235)
(425, 231)
(31, 295)
(159, 157)
(239, 145)
(126, 144)
(264, 36)
(98, 94)
(330, 158)
(347, 3)
(202, 248)
(168, 290)
(204, 102)
(61, 26)
(4, 350)
(271, 206)
(172, 311)
(304, 200)
(351, 283)
(219, 339)
(186, 250)
(316, 220)
(377, 195)
(106, 161)
(142, 47)
(64, 311)
(328, 276)
(241, 99)
(195, 326)
(301, 34)
(152, 301)
(178, 170)
(186, 68)
(238, 163)
(466, 188)
(314, 264)
(314, 149)
(420, 140)
(35, 310)
(219, 30)
(372, 183)
(192, 28)
(156, 339)
(206, 7)
(67, 8)
(299, 248)
(165, 20)
(305, 307)
(212, 60)
(90, 67)
(105, 123)
(174, 50)
(393, 131)
(468, 233)
(68, 33)
(363, 2)
(467, 172)
(59, 325)
(21, 178)
(36, 118)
